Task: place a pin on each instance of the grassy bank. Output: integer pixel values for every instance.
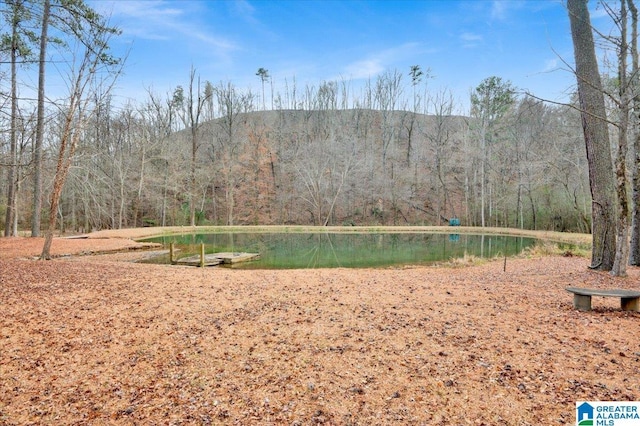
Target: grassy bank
(581, 240)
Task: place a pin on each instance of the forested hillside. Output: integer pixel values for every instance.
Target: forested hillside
(318, 164)
(387, 150)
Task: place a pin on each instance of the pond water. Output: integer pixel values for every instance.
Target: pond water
(347, 250)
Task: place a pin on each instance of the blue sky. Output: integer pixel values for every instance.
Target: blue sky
(461, 42)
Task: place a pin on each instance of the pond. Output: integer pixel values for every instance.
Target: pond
(346, 250)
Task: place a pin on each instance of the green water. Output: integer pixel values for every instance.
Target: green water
(333, 250)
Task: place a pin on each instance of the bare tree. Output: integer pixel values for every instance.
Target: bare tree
(13, 158)
(191, 109)
(228, 144)
(68, 17)
(37, 149)
(441, 136)
(323, 167)
(387, 96)
(18, 44)
(530, 153)
(158, 119)
(94, 70)
(489, 102)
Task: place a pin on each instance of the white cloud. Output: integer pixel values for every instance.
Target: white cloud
(500, 8)
(550, 65)
(470, 37)
(164, 20)
(364, 69)
(143, 19)
(470, 40)
(244, 9)
(383, 60)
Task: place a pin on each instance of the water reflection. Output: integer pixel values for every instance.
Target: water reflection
(327, 250)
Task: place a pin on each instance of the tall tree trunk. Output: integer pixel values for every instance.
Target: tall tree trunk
(13, 159)
(191, 113)
(596, 137)
(192, 174)
(68, 143)
(140, 189)
(37, 151)
(634, 247)
(84, 84)
(483, 177)
(622, 224)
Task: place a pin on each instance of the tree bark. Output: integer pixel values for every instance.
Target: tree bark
(68, 145)
(84, 84)
(594, 126)
(13, 157)
(622, 224)
(37, 151)
(191, 114)
(634, 246)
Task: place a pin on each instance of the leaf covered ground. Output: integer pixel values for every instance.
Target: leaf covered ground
(95, 340)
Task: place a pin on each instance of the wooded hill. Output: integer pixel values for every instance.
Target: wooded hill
(388, 150)
(327, 167)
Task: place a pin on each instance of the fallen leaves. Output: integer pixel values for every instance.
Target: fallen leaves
(94, 341)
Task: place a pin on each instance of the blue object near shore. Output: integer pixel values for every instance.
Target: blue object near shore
(454, 221)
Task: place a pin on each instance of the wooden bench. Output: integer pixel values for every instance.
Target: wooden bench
(629, 299)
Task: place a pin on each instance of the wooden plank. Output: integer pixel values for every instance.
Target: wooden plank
(209, 260)
(214, 259)
(237, 257)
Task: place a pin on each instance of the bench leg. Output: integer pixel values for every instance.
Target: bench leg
(581, 303)
(630, 304)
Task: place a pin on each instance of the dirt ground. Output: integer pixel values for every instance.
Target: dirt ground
(97, 340)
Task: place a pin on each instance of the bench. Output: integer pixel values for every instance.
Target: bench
(629, 299)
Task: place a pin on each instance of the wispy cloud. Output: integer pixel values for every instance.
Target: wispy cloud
(164, 20)
(550, 65)
(365, 68)
(471, 37)
(316, 41)
(244, 9)
(501, 9)
(470, 40)
(385, 59)
(143, 19)
(498, 10)
(249, 15)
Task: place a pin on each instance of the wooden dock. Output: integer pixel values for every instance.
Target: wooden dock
(214, 259)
